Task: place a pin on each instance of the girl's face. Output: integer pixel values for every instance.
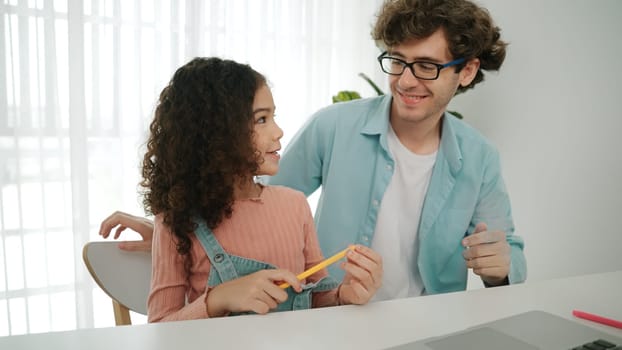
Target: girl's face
(267, 134)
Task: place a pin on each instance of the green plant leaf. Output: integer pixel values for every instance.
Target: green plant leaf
(373, 85)
(458, 115)
(346, 95)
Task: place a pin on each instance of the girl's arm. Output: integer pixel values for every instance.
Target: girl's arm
(169, 281)
(363, 276)
(257, 292)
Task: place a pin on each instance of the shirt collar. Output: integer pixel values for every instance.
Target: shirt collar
(449, 148)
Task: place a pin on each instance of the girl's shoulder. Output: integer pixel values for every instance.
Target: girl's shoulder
(286, 200)
(283, 193)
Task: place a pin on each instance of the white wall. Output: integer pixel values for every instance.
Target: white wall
(554, 113)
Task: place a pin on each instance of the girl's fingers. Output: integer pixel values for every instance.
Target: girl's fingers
(360, 275)
(369, 253)
(283, 276)
(365, 265)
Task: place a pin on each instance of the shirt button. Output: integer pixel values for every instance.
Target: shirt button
(375, 202)
(366, 239)
(389, 167)
(219, 258)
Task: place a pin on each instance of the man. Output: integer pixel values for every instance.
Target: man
(400, 174)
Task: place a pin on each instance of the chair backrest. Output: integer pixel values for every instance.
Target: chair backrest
(124, 276)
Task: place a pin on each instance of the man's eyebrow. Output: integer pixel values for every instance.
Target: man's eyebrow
(397, 54)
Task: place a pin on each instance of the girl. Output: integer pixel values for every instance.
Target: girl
(222, 242)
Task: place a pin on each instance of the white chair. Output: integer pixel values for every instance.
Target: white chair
(124, 276)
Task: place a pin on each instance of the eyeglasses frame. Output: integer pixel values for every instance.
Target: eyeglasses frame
(411, 65)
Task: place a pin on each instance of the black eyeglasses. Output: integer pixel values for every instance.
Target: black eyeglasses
(423, 70)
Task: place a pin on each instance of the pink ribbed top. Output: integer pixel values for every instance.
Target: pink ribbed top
(276, 228)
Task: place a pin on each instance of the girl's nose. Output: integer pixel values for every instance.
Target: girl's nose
(278, 132)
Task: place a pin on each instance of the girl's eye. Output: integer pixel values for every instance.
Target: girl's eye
(260, 120)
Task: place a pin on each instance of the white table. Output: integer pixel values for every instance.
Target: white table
(373, 326)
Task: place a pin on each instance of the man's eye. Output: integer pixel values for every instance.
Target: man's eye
(426, 66)
(397, 63)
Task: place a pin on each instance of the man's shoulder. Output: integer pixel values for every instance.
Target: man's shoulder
(467, 135)
(349, 110)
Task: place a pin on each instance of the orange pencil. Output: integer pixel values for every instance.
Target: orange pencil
(320, 266)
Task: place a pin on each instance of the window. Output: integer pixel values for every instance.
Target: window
(78, 84)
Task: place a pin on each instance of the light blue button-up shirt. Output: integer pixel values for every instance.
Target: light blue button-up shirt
(343, 148)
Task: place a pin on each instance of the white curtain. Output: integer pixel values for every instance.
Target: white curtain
(78, 83)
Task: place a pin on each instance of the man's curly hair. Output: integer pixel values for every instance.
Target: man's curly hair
(469, 29)
(200, 145)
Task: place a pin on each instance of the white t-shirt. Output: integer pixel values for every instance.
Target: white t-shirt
(395, 236)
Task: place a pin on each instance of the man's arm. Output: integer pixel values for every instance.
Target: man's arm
(494, 252)
(300, 166)
(121, 221)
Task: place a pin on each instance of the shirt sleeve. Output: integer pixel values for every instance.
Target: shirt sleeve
(313, 256)
(301, 164)
(169, 281)
(493, 208)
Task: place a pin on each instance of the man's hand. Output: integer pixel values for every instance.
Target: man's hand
(488, 254)
(121, 221)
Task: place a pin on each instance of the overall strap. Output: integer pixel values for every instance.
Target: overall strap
(325, 284)
(220, 260)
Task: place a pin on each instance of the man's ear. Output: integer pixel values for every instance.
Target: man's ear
(467, 74)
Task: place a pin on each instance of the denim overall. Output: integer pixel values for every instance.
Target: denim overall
(227, 267)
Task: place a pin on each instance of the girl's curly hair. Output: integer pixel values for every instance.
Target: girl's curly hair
(469, 30)
(200, 145)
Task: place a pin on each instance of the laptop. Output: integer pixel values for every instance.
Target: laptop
(527, 331)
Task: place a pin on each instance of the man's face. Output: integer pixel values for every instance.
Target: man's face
(416, 100)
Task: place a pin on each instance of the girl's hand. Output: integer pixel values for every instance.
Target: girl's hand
(363, 276)
(258, 292)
